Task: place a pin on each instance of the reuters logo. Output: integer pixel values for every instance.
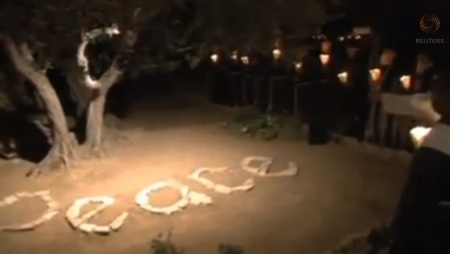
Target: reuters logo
(429, 23)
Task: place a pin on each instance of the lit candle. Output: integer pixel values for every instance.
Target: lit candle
(406, 82)
(357, 37)
(298, 66)
(245, 60)
(341, 38)
(324, 59)
(375, 74)
(235, 55)
(418, 134)
(276, 54)
(343, 77)
(214, 58)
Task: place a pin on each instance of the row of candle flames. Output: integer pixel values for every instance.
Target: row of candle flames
(324, 59)
(417, 133)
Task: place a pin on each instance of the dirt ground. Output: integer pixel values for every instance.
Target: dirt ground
(340, 189)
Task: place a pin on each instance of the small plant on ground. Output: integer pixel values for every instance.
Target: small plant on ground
(162, 244)
(266, 126)
(229, 249)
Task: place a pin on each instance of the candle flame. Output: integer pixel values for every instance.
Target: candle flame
(375, 74)
(245, 59)
(418, 134)
(214, 58)
(406, 81)
(324, 59)
(234, 55)
(276, 53)
(343, 77)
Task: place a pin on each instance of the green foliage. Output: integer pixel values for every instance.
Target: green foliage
(266, 127)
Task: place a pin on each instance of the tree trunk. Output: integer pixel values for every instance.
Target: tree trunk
(94, 126)
(63, 144)
(96, 108)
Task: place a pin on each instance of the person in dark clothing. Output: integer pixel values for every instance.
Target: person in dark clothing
(384, 82)
(320, 68)
(220, 91)
(422, 221)
(259, 68)
(425, 70)
(317, 110)
(280, 93)
(356, 91)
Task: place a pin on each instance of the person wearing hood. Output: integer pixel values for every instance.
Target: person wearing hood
(422, 221)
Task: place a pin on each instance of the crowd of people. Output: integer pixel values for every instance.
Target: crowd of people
(337, 87)
(353, 89)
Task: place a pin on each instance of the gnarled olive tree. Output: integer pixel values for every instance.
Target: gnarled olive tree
(38, 35)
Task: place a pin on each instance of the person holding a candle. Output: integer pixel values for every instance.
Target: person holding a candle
(218, 82)
(281, 92)
(320, 72)
(422, 221)
(383, 80)
(356, 90)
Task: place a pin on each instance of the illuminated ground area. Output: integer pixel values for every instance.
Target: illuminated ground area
(340, 189)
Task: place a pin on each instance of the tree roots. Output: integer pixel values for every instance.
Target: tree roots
(60, 156)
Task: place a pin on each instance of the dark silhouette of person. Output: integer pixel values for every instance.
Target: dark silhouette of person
(425, 70)
(422, 221)
(356, 91)
(317, 108)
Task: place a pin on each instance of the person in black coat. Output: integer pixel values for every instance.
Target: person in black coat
(356, 90)
(220, 91)
(422, 221)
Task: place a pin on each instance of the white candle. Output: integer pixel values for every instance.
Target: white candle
(276, 53)
(406, 81)
(375, 74)
(234, 56)
(324, 59)
(343, 77)
(245, 60)
(418, 134)
(214, 58)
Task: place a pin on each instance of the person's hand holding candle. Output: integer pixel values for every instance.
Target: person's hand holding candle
(406, 82)
(276, 54)
(214, 58)
(235, 55)
(245, 60)
(324, 59)
(298, 66)
(343, 77)
(375, 74)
